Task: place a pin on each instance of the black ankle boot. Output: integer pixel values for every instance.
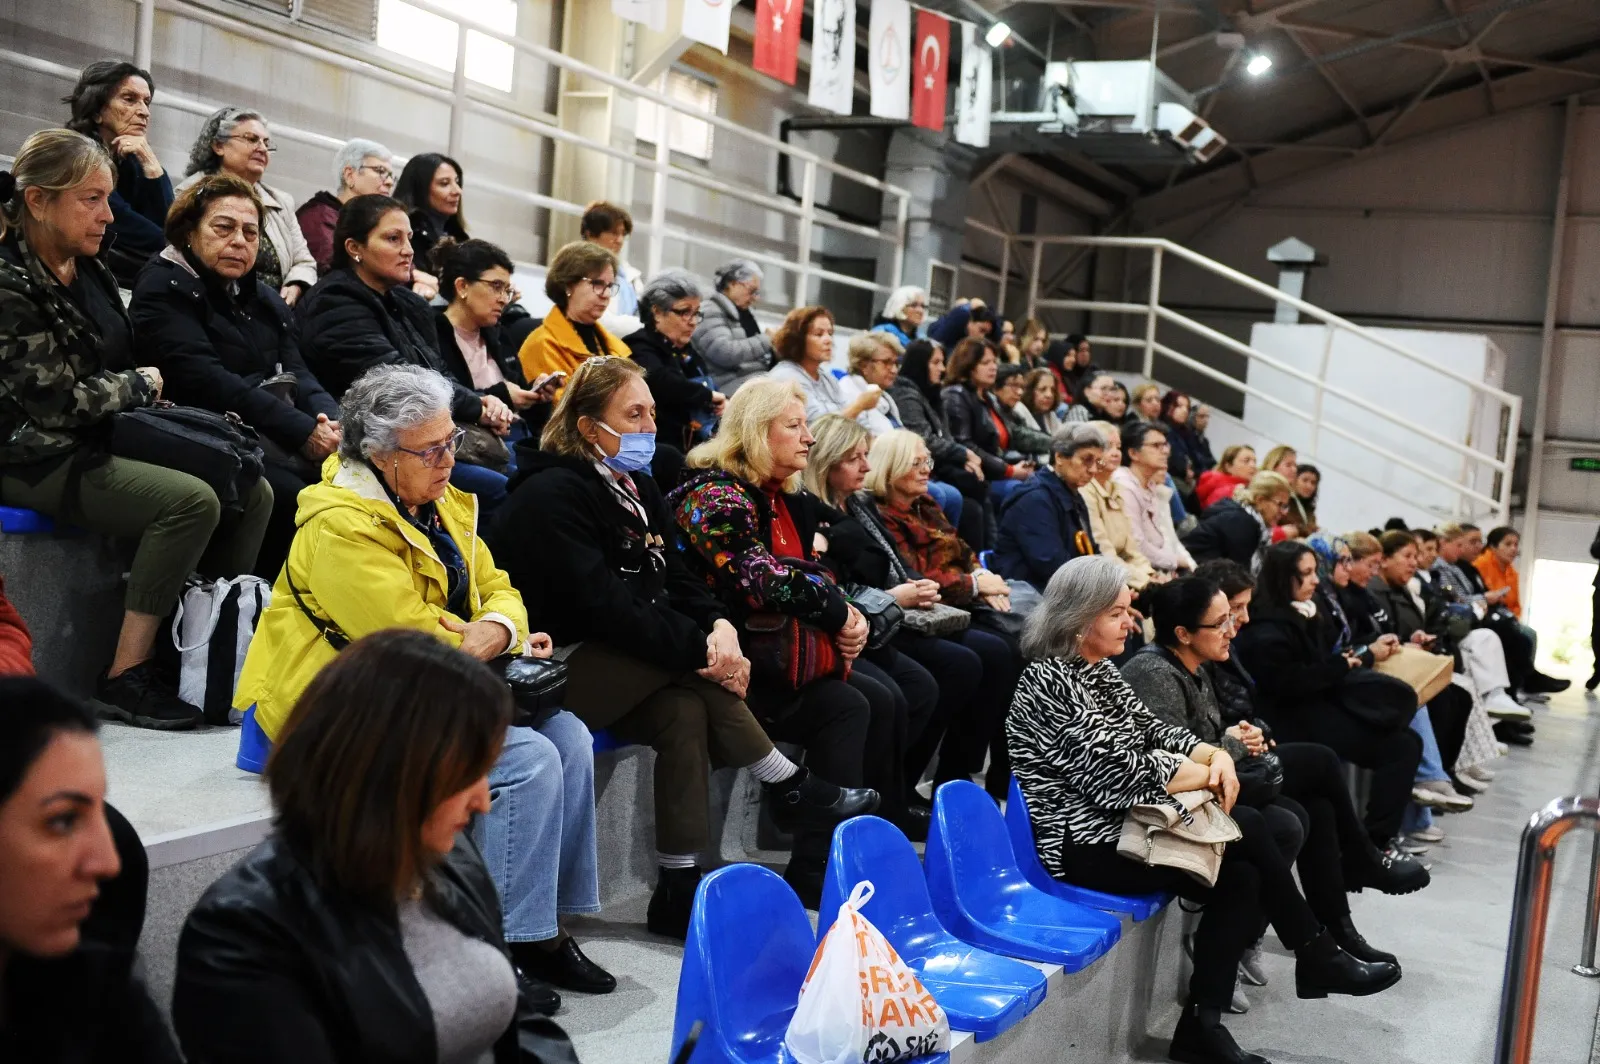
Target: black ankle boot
(673, 902)
(1389, 873)
(1344, 932)
(1593, 681)
(1322, 968)
(805, 798)
(1200, 1038)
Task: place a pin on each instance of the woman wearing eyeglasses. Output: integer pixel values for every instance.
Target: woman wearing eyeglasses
(903, 314)
(686, 403)
(580, 281)
(236, 141)
(361, 168)
(385, 541)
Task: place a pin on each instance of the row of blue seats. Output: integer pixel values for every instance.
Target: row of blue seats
(964, 924)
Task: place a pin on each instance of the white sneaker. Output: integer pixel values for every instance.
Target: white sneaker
(1502, 706)
(1240, 1003)
(1469, 784)
(1479, 773)
(1504, 748)
(1401, 844)
(1251, 970)
(1430, 834)
(1439, 794)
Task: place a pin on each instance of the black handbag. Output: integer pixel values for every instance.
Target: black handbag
(1260, 779)
(219, 449)
(1384, 703)
(538, 686)
(884, 615)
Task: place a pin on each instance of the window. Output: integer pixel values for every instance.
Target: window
(686, 134)
(427, 38)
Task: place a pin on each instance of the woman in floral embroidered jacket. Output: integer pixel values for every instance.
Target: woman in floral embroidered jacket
(744, 528)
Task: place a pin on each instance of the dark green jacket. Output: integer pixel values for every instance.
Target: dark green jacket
(54, 387)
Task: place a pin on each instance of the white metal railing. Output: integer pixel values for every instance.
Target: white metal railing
(465, 100)
(1498, 460)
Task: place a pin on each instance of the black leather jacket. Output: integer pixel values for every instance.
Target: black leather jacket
(275, 969)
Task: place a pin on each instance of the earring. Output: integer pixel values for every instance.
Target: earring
(358, 260)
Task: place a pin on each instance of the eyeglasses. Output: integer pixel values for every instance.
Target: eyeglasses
(607, 289)
(255, 140)
(687, 314)
(1160, 445)
(922, 464)
(921, 305)
(501, 289)
(434, 456)
(1230, 623)
(887, 360)
(383, 172)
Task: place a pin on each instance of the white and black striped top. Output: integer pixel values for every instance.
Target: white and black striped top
(1085, 750)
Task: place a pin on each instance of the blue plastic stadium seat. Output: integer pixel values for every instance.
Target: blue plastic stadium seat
(981, 896)
(15, 521)
(254, 746)
(986, 559)
(838, 374)
(979, 991)
(749, 948)
(1139, 906)
(604, 740)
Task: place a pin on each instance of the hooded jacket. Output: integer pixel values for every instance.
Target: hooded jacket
(1043, 525)
(362, 567)
(1214, 485)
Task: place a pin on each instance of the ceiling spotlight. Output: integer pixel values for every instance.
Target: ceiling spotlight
(998, 34)
(1258, 65)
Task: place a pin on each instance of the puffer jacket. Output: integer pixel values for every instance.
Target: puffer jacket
(733, 355)
(361, 567)
(56, 392)
(924, 417)
(326, 976)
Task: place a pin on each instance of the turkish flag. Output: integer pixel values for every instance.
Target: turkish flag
(930, 66)
(778, 38)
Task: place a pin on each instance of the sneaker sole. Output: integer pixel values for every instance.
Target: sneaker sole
(106, 711)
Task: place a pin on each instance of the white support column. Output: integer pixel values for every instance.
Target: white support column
(1151, 318)
(902, 227)
(658, 195)
(808, 207)
(144, 35)
(458, 95)
(1322, 379)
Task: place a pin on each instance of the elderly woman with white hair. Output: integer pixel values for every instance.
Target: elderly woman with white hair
(903, 313)
(360, 168)
(236, 141)
(728, 338)
(385, 541)
(686, 405)
(1085, 750)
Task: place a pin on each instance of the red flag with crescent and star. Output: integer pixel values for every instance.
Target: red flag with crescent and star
(929, 69)
(778, 38)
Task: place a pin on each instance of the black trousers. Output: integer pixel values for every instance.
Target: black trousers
(1594, 628)
(1517, 646)
(1392, 757)
(286, 484)
(1313, 778)
(977, 673)
(1448, 713)
(915, 696)
(1254, 882)
(977, 525)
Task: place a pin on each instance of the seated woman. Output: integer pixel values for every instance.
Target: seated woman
(1240, 528)
(67, 367)
(748, 536)
(224, 340)
(728, 339)
(1199, 442)
(1101, 399)
(367, 926)
(430, 187)
(1143, 480)
(975, 423)
(1236, 468)
(1041, 396)
(1300, 686)
(363, 313)
(651, 654)
(580, 281)
(685, 407)
(385, 541)
(72, 897)
(1010, 388)
(610, 225)
(903, 314)
(801, 350)
(915, 393)
(1046, 522)
(1086, 750)
(236, 141)
(1303, 502)
(111, 104)
(1184, 465)
(1108, 513)
(874, 360)
(360, 168)
(1195, 625)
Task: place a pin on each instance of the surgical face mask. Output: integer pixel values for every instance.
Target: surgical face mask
(637, 449)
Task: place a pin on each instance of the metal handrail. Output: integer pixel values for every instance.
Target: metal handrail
(1530, 913)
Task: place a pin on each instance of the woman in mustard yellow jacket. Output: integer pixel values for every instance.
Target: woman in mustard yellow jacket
(581, 280)
(384, 541)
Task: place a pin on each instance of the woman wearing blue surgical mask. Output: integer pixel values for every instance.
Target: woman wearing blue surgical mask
(650, 652)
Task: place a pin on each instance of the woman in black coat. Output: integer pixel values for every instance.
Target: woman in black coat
(583, 537)
(225, 341)
(1240, 530)
(916, 395)
(1308, 692)
(686, 406)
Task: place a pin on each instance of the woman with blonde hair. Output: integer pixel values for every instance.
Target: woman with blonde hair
(1108, 513)
(747, 534)
(1146, 400)
(651, 655)
(1240, 529)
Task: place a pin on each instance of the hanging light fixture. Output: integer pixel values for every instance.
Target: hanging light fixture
(1258, 65)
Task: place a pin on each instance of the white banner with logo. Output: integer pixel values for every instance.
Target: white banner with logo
(833, 56)
(706, 21)
(889, 63)
(976, 89)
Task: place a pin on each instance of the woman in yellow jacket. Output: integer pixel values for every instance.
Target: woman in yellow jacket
(384, 541)
(580, 281)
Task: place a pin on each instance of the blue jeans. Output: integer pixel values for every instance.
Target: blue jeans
(1178, 512)
(1000, 489)
(1431, 767)
(538, 836)
(485, 483)
(948, 496)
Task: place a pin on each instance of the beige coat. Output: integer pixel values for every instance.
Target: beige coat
(1113, 531)
(282, 228)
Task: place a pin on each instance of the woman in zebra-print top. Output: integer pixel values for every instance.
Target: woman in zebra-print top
(1085, 750)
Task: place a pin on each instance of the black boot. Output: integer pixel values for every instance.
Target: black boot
(564, 966)
(1322, 968)
(1593, 681)
(1543, 684)
(1389, 873)
(807, 864)
(541, 997)
(1200, 1038)
(804, 798)
(1344, 932)
(1512, 736)
(673, 902)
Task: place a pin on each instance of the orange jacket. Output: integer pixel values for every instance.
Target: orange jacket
(16, 645)
(1496, 576)
(555, 345)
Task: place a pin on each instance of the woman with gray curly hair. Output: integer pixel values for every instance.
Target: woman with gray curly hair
(687, 404)
(236, 140)
(729, 339)
(384, 541)
(1085, 750)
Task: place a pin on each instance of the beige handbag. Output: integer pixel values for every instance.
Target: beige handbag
(1155, 835)
(1426, 672)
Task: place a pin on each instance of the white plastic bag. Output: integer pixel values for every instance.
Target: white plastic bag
(211, 630)
(860, 1004)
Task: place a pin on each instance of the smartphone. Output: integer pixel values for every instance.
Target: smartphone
(556, 377)
(690, 1040)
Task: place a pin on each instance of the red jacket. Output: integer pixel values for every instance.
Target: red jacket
(1215, 485)
(16, 645)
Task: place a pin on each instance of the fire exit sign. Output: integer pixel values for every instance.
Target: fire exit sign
(1587, 464)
